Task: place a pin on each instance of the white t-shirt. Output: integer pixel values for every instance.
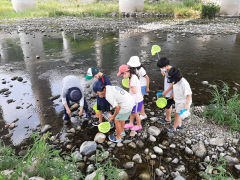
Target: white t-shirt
(117, 96)
(141, 72)
(134, 81)
(167, 85)
(181, 90)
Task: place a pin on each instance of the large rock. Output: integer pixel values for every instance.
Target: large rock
(158, 150)
(123, 175)
(137, 158)
(77, 156)
(145, 176)
(100, 138)
(231, 160)
(216, 141)
(45, 128)
(93, 176)
(153, 130)
(88, 147)
(199, 149)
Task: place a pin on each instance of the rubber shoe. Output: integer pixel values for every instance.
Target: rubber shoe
(123, 134)
(137, 128)
(114, 139)
(171, 130)
(127, 126)
(163, 122)
(180, 127)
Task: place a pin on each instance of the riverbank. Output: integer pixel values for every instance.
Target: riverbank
(55, 8)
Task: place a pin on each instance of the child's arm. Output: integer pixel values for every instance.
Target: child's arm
(168, 90)
(133, 89)
(81, 111)
(189, 97)
(117, 109)
(148, 82)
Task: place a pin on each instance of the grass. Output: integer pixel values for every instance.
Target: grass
(224, 107)
(47, 162)
(57, 8)
(220, 167)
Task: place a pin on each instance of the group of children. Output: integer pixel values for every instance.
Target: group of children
(130, 104)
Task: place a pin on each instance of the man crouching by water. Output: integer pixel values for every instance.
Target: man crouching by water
(72, 91)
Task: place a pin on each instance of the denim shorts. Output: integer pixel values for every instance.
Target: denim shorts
(137, 108)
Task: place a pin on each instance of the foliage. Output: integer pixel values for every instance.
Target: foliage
(224, 108)
(220, 167)
(209, 10)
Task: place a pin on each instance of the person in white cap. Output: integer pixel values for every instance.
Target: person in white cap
(134, 62)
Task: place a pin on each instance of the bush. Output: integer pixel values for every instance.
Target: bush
(209, 10)
(224, 108)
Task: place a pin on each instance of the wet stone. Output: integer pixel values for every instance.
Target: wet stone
(10, 101)
(20, 79)
(14, 78)
(128, 165)
(54, 97)
(3, 90)
(132, 145)
(158, 150)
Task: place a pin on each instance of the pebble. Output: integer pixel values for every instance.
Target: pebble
(173, 146)
(188, 151)
(175, 160)
(128, 165)
(158, 172)
(132, 145)
(119, 144)
(153, 130)
(158, 150)
(146, 151)
(237, 167)
(152, 138)
(137, 158)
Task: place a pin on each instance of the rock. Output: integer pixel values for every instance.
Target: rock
(188, 141)
(12, 125)
(175, 160)
(152, 138)
(119, 144)
(69, 146)
(153, 130)
(20, 79)
(14, 78)
(180, 168)
(235, 141)
(3, 90)
(153, 119)
(158, 172)
(90, 168)
(30, 169)
(153, 156)
(100, 138)
(77, 156)
(179, 178)
(216, 141)
(146, 151)
(205, 82)
(188, 151)
(36, 178)
(22, 152)
(128, 165)
(123, 175)
(158, 150)
(88, 147)
(132, 145)
(4, 82)
(145, 176)
(133, 133)
(137, 158)
(54, 97)
(7, 136)
(231, 160)
(199, 149)
(140, 144)
(74, 107)
(72, 130)
(10, 101)
(93, 176)
(237, 167)
(45, 128)
(173, 146)
(207, 159)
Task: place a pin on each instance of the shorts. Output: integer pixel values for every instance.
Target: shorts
(179, 107)
(103, 105)
(143, 90)
(123, 117)
(137, 108)
(170, 102)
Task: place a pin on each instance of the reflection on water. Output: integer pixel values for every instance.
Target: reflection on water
(44, 59)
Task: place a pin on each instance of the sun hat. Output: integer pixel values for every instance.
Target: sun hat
(134, 61)
(92, 71)
(75, 95)
(123, 68)
(98, 86)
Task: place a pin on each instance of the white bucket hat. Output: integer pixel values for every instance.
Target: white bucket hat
(134, 61)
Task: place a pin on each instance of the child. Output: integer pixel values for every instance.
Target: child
(73, 91)
(135, 91)
(134, 62)
(123, 103)
(182, 94)
(102, 104)
(163, 64)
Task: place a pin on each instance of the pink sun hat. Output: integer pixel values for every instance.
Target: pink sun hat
(123, 68)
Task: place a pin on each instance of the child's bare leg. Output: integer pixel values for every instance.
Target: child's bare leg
(100, 117)
(143, 111)
(132, 117)
(118, 128)
(138, 119)
(168, 114)
(122, 126)
(178, 121)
